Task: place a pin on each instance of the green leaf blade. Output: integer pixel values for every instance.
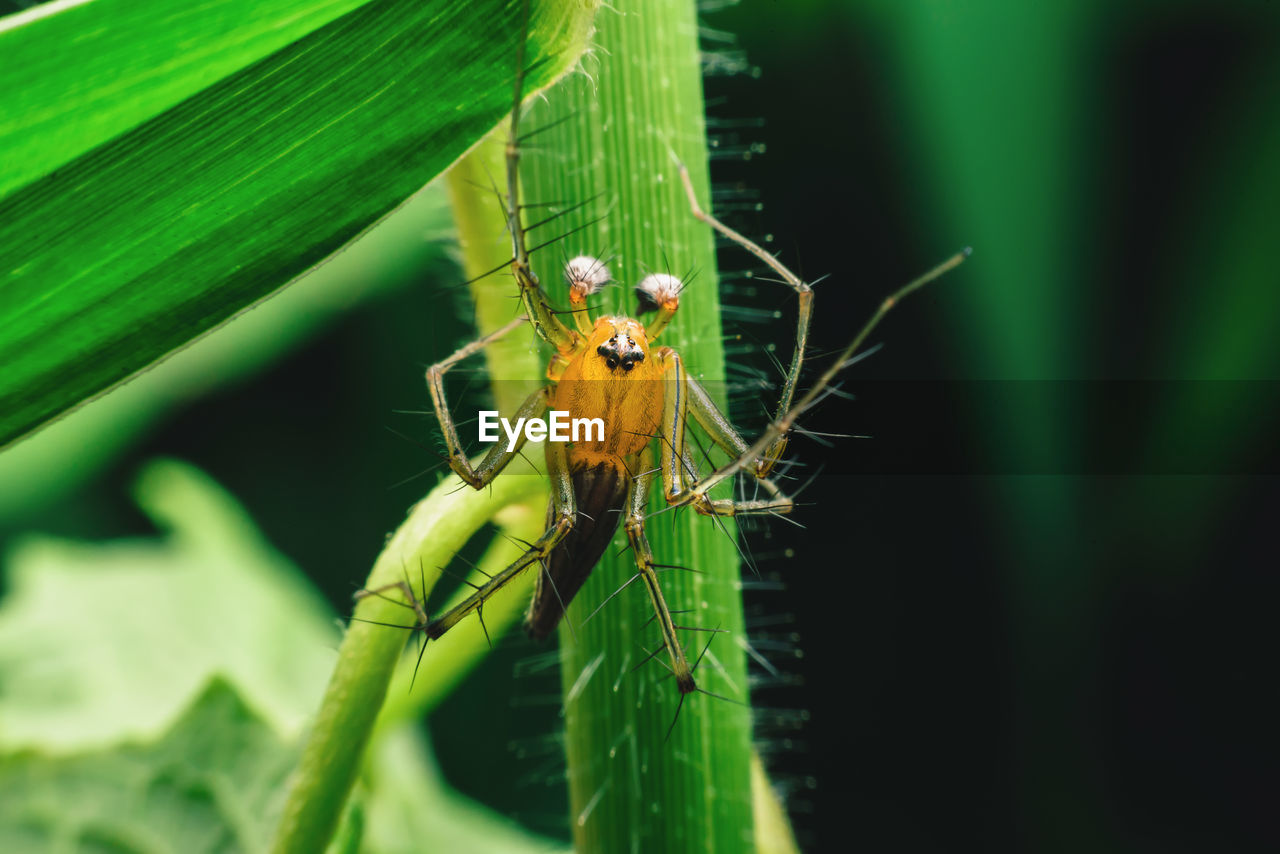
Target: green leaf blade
(78, 76)
(130, 251)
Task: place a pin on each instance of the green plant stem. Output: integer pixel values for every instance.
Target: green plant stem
(632, 787)
(437, 527)
(418, 687)
(515, 368)
(514, 365)
(434, 531)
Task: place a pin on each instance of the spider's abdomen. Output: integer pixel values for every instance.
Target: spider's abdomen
(601, 492)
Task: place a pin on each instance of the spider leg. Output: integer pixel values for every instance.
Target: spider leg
(648, 574)
(563, 513)
(536, 304)
(778, 429)
(480, 475)
(775, 449)
(764, 453)
(683, 396)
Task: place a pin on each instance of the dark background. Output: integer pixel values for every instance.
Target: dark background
(1035, 610)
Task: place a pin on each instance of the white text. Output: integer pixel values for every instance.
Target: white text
(558, 428)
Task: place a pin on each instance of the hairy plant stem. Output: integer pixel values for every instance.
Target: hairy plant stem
(612, 132)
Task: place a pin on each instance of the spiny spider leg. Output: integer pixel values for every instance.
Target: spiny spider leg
(762, 456)
(563, 514)
(411, 601)
(805, 311)
(778, 429)
(634, 524)
(536, 304)
(496, 459)
(682, 397)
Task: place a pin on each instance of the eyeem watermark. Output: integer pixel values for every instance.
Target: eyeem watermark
(559, 428)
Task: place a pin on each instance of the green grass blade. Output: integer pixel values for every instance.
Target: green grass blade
(632, 788)
(171, 226)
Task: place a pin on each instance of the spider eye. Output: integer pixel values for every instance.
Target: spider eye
(620, 350)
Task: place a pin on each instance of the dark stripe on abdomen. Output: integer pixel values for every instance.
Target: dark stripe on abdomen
(601, 493)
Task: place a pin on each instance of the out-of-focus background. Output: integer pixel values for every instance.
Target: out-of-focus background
(1034, 610)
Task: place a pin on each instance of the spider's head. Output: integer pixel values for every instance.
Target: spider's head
(619, 343)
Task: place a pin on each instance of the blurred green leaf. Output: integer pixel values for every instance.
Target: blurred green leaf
(402, 779)
(105, 642)
(177, 220)
(202, 787)
(152, 694)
